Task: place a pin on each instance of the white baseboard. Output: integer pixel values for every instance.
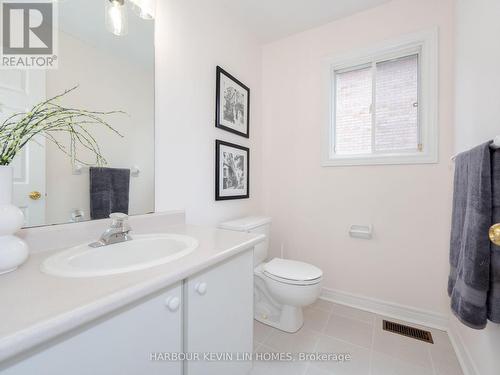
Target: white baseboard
(392, 310)
(463, 355)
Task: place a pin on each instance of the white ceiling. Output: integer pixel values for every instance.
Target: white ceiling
(84, 19)
(270, 20)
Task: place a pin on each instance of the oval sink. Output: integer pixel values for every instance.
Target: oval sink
(143, 251)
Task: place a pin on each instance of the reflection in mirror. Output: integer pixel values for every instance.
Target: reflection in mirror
(110, 61)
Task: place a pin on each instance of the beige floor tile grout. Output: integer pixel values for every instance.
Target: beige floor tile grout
(319, 334)
(326, 322)
(370, 365)
(346, 342)
(314, 351)
(353, 317)
(434, 370)
(339, 339)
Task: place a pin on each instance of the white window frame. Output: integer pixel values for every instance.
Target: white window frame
(425, 44)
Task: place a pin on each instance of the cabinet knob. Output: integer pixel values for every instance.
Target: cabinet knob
(201, 288)
(495, 234)
(173, 303)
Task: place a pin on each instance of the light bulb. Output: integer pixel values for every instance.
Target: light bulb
(116, 17)
(145, 15)
(144, 8)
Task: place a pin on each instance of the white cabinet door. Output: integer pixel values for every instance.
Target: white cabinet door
(120, 344)
(218, 315)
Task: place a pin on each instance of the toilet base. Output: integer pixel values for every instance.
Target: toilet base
(269, 311)
(290, 320)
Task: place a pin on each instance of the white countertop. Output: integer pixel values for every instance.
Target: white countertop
(36, 307)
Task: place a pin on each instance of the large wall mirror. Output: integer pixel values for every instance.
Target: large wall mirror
(110, 64)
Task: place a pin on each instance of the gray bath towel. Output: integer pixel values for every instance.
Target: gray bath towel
(109, 191)
(494, 292)
(470, 248)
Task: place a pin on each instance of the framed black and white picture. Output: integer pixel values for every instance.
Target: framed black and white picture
(232, 167)
(232, 104)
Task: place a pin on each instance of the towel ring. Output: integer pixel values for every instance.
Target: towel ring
(495, 234)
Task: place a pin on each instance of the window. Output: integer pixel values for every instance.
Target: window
(382, 106)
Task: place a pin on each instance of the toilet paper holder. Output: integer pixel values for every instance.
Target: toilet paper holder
(364, 232)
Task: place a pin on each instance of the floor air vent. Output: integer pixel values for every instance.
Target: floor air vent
(411, 332)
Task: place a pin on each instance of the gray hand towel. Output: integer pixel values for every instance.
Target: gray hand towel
(109, 191)
(494, 292)
(470, 247)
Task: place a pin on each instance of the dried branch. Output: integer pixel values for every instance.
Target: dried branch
(49, 118)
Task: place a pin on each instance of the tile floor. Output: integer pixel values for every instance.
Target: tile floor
(332, 328)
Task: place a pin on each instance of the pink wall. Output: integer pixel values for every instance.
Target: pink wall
(313, 206)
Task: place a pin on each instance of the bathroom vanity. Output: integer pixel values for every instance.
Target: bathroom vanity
(84, 303)
(136, 322)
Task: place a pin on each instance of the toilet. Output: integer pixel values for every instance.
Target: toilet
(282, 287)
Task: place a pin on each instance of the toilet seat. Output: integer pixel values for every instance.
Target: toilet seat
(292, 272)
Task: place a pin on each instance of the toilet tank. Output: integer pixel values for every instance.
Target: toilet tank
(253, 224)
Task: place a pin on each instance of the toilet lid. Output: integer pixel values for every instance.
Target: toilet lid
(292, 270)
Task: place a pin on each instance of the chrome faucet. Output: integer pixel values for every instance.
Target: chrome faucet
(117, 232)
